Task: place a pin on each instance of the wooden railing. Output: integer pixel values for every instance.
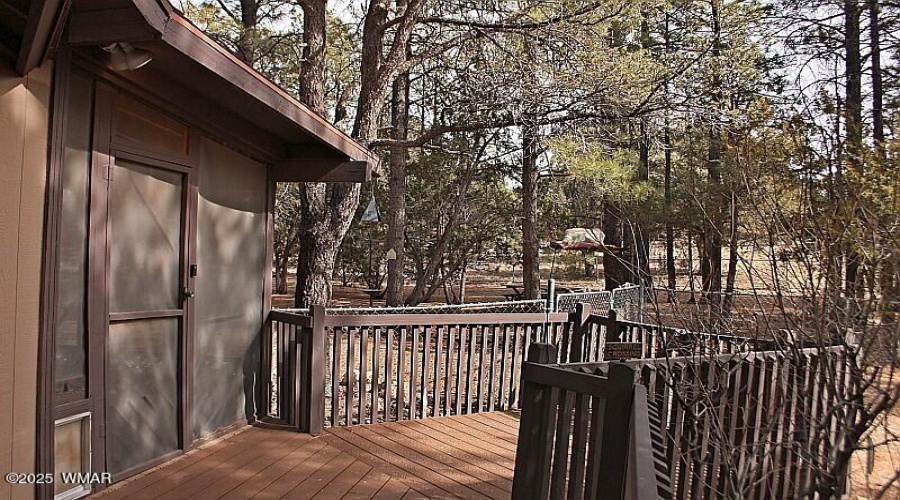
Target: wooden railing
(583, 433)
(293, 362)
(744, 425)
(598, 338)
(332, 370)
(754, 425)
(353, 369)
(409, 366)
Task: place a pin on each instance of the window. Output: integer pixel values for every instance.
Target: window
(70, 312)
(139, 124)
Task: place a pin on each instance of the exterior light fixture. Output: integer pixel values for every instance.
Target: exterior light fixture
(125, 57)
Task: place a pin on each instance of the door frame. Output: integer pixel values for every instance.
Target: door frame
(106, 150)
(107, 85)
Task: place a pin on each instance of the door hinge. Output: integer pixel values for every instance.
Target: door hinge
(107, 172)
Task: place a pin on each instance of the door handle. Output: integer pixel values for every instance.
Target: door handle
(187, 292)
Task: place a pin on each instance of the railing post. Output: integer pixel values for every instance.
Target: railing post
(579, 319)
(265, 385)
(535, 432)
(612, 326)
(312, 381)
(616, 423)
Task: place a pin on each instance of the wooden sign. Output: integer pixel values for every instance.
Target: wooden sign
(623, 350)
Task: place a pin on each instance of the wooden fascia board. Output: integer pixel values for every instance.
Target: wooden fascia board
(155, 13)
(322, 170)
(187, 39)
(215, 121)
(110, 26)
(190, 41)
(44, 18)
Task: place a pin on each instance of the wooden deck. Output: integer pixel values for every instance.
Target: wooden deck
(468, 456)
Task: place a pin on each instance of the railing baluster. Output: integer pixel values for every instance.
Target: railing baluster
(376, 373)
(389, 375)
(460, 363)
(426, 360)
(401, 375)
(470, 371)
(438, 364)
(413, 372)
(448, 371)
(363, 375)
(335, 376)
(504, 370)
(350, 376)
(561, 453)
(482, 355)
(516, 364)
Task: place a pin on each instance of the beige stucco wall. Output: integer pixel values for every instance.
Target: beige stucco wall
(24, 125)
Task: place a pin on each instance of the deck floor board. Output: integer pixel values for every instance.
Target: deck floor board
(470, 456)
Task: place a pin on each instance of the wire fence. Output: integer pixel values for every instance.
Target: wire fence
(518, 306)
(627, 301)
(599, 300)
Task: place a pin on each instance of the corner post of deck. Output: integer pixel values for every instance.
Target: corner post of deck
(312, 392)
(579, 320)
(616, 425)
(535, 431)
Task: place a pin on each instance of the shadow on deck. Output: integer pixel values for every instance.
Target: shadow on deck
(469, 456)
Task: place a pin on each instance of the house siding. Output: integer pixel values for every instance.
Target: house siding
(24, 128)
(231, 246)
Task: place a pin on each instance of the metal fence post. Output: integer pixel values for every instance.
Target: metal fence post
(551, 295)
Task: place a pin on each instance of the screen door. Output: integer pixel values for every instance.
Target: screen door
(146, 312)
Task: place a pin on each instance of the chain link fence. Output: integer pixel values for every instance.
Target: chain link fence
(627, 301)
(599, 301)
(518, 306)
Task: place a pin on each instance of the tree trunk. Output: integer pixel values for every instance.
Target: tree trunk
(614, 268)
(246, 44)
(324, 222)
(667, 182)
(281, 267)
(888, 281)
(877, 85)
(326, 211)
(312, 71)
(370, 79)
(712, 286)
(425, 279)
(732, 259)
(640, 268)
(589, 268)
(690, 265)
(531, 275)
(670, 230)
(853, 124)
(463, 272)
(397, 191)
